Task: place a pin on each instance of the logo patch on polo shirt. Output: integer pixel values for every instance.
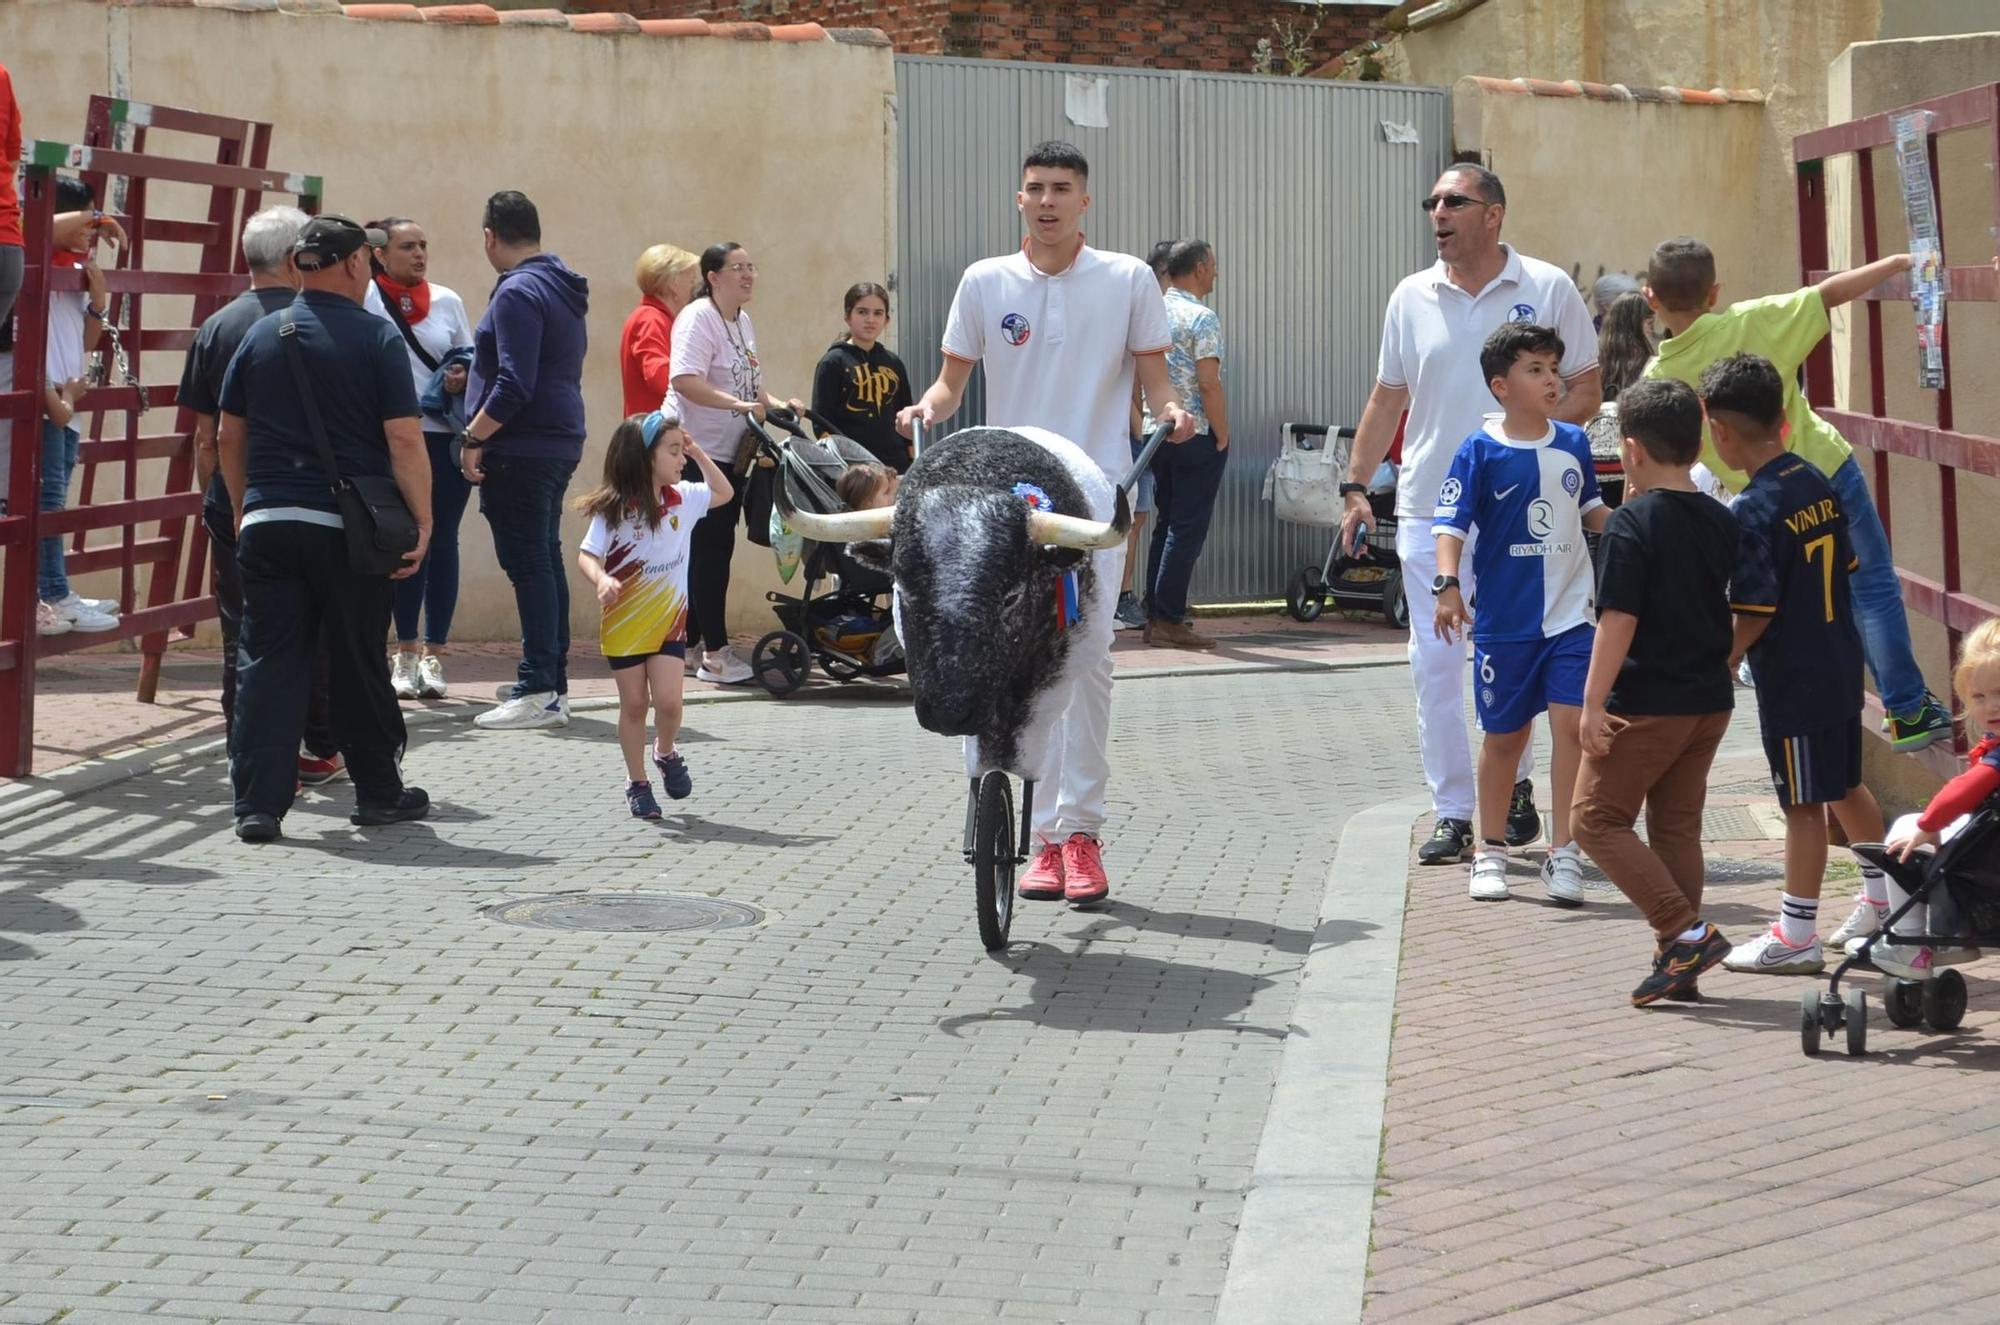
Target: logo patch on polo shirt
(1521, 313)
(1015, 328)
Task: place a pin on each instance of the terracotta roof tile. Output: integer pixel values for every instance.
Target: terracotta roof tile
(481, 15)
(797, 32)
(740, 31)
(384, 13)
(1539, 87)
(674, 27)
(603, 23)
(534, 18)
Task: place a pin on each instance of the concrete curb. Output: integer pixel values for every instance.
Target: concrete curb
(1301, 1252)
(24, 796)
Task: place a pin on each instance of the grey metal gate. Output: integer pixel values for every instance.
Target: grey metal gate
(1311, 206)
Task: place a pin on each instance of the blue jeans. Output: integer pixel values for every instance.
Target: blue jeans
(1185, 481)
(522, 499)
(433, 590)
(1877, 596)
(58, 462)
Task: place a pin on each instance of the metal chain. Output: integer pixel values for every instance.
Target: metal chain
(100, 372)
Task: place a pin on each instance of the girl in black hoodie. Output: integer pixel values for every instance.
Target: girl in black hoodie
(860, 383)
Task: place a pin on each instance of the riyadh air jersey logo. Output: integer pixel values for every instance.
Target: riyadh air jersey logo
(1015, 328)
(1572, 481)
(1541, 518)
(1521, 313)
(1449, 494)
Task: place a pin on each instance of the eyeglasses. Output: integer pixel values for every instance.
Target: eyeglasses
(742, 268)
(1453, 201)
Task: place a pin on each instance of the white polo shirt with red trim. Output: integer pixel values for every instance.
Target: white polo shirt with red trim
(1058, 349)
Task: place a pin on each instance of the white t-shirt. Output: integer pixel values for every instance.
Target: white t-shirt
(443, 329)
(724, 355)
(1058, 349)
(652, 608)
(1431, 338)
(64, 357)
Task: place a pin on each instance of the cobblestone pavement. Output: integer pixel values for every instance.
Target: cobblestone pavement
(1553, 1156)
(315, 1082)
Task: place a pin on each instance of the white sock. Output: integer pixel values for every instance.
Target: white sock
(1695, 935)
(1798, 920)
(1875, 887)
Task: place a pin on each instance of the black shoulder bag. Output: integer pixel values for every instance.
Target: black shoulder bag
(395, 310)
(380, 529)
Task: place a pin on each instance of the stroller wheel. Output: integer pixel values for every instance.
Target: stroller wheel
(1305, 597)
(1395, 604)
(1809, 1022)
(1857, 1022)
(780, 662)
(1904, 1003)
(1944, 1000)
(838, 667)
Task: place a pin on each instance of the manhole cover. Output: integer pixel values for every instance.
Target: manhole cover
(625, 913)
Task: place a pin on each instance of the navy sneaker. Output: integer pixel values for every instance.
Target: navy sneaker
(1450, 842)
(639, 798)
(1679, 965)
(410, 803)
(1524, 821)
(1927, 726)
(674, 775)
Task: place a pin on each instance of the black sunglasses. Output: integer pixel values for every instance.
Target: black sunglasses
(1454, 201)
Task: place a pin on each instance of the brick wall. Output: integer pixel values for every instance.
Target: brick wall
(1220, 35)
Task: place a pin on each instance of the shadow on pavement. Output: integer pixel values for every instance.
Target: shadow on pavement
(1123, 993)
(686, 827)
(1116, 915)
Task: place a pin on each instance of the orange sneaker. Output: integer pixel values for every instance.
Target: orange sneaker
(1044, 880)
(1083, 871)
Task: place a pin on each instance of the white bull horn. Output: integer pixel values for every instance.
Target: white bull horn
(1052, 530)
(846, 527)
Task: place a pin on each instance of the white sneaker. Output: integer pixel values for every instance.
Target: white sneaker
(1489, 877)
(1862, 921)
(562, 706)
(78, 603)
(693, 659)
(1743, 677)
(1912, 961)
(84, 618)
(48, 621)
(430, 677)
(724, 667)
(525, 713)
(403, 674)
(1769, 954)
(1562, 875)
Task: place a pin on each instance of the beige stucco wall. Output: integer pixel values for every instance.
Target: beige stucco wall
(1867, 79)
(621, 140)
(1592, 185)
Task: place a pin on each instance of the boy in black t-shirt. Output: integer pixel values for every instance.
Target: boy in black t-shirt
(1793, 616)
(1658, 697)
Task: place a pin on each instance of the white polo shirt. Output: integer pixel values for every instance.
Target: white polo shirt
(1058, 349)
(1431, 338)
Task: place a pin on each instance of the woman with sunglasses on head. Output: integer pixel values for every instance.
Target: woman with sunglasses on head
(438, 337)
(717, 379)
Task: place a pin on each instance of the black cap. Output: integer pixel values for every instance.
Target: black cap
(329, 238)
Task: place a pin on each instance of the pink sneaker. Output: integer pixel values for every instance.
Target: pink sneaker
(1044, 880)
(1083, 871)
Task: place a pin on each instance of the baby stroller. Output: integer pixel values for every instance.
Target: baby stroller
(1960, 880)
(849, 631)
(1304, 486)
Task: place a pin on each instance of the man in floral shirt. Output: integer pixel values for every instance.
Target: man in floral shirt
(1187, 477)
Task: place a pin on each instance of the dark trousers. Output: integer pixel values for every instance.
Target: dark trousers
(433, 590)
(710, 548)
(299, 593)
(227, 582)
(1186, 479)
(522, 499)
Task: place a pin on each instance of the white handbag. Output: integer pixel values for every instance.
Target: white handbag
(1303, 483)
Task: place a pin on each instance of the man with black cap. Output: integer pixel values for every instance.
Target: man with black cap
(291, 551)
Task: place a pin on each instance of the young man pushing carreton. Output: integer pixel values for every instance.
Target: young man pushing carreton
(1063, 330)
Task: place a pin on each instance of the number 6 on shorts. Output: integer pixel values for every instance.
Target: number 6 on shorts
(1485, 667)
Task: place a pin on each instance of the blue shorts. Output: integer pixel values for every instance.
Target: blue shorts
(1516, 679)
(1817, 768)
(673, 648)
(1142, 491)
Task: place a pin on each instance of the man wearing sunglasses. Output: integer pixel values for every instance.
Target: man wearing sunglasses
(1436, 322)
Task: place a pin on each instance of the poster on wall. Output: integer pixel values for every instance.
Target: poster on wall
(1913, 168)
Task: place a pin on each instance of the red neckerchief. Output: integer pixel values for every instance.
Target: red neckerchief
(670, 496)
(414, 300)
(67, 257)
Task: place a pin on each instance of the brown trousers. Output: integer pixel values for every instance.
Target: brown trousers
(1660, 762)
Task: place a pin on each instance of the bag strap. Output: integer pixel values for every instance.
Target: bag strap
(288, 335)
(402, 325)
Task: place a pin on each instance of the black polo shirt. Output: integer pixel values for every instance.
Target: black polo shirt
(208, 363)
(360, 377)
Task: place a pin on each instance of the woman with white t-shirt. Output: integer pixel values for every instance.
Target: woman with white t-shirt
(717, 380)
(432, 322)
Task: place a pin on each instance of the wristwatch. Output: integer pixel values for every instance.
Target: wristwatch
(1443, 582)
(1349, 489)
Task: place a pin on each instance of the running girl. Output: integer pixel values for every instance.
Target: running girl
(635, 556)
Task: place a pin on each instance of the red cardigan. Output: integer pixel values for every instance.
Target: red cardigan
(645, 353)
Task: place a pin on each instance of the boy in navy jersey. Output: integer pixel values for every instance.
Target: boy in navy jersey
(1527, 486)
(1794, 617)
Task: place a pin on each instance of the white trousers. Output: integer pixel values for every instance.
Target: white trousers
(1437, 670)
(1063, 742)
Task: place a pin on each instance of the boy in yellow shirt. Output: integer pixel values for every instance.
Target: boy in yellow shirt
(1784, 328)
